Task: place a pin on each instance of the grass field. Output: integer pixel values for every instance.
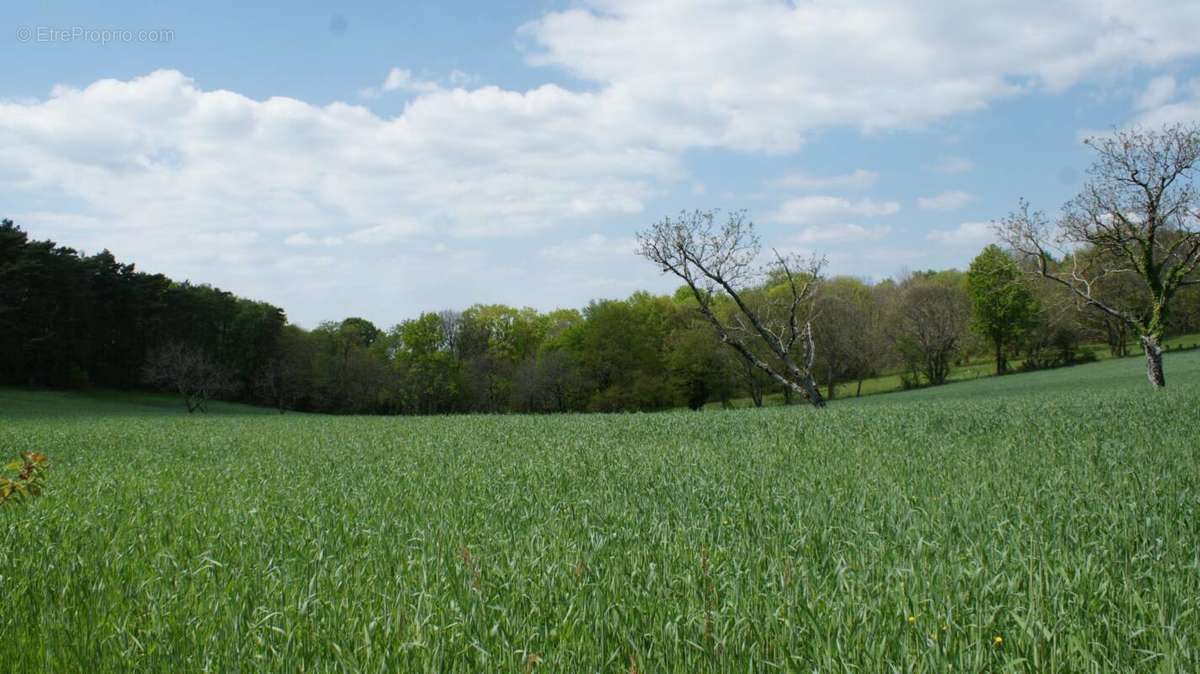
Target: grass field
(1047, 522)
(976, 367)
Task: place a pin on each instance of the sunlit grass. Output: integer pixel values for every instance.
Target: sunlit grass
(976, 367)
(1036, 523)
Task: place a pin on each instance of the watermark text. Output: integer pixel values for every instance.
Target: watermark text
(88, 35)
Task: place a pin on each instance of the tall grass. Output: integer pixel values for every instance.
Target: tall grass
(1035, 523)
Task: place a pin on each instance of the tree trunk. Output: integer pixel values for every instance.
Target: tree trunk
(808, 388)
(1001, 361)
(858, 391)
(829, 385)
(1154, 366)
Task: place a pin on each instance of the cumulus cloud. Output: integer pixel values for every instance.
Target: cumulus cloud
(161, 160)
(965, 235)
(946, 201)
(817, 208)
(760, 74)
(160, 152)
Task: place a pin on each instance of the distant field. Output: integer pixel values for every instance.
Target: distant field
(1047, 522)
(975, 368)
(17, 403)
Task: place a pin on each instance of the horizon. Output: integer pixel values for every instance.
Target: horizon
(402, 160)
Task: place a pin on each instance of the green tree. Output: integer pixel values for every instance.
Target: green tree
(1003, 309)
(621, 349)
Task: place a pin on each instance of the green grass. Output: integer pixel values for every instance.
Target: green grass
(19, 403)
(977, 367)
(1058, 510)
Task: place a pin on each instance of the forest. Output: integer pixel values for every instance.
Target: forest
(75, 321)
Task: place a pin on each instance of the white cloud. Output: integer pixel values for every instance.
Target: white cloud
(158, 151)
(965, 235)
(804, 210)
(1158, 92)
(459, 78)
(858, 179)
(946, 201)
(596, 248)
(760, 74)
(954, 166)
(1166, 102)
(399, 79)
(159, 159)
(848, 233)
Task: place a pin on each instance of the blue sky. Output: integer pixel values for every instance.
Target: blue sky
(383, 159)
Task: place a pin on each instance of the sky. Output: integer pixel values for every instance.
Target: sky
(382, 159)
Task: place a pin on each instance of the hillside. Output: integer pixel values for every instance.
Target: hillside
(1121, 374)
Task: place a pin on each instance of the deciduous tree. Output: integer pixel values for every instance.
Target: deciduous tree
(722, 259)
(1138, 215)
(1002, 307)
(190, 372)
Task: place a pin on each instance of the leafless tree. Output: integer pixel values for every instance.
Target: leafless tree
(452, 326)
(190, 372)
(847, 334)
(1123, 290)
(722, 259)
(1053, 337)
(929, 327)
(1137, 216)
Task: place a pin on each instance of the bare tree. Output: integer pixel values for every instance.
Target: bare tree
(1053, 337)
(190, 372)
(929, 327)
(845, 337)
(715, 260)
(1136, 216)
(452, 327)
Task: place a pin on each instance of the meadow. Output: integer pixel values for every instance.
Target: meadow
(1047, 522)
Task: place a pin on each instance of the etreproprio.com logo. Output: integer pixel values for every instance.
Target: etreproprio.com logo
(69, 34)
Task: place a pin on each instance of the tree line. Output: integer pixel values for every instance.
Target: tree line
(72, 320)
